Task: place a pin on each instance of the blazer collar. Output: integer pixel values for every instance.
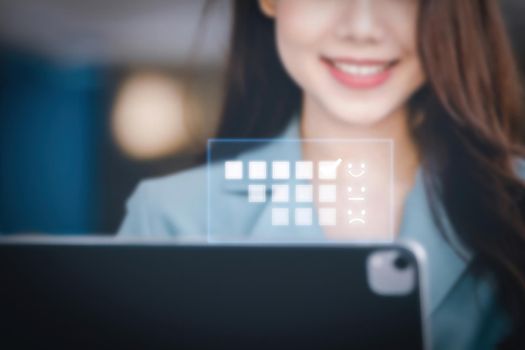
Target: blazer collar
(443, 266)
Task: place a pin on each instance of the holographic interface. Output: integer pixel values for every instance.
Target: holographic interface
(300, 189)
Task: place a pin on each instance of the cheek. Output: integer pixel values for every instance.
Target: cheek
(404, 34)
(301, 28)
(303, 21)
(401, 24)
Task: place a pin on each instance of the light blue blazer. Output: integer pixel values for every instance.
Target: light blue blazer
(462, 312)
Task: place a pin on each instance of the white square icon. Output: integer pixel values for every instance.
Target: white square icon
(303, 193)
(303, 216)
(304, 170)
(280, 216)
(328, 169)
(281, 170)
(280, 193)
(257, 170)
(327, 217)
(327, 193)
(256, 193)
(233, 170)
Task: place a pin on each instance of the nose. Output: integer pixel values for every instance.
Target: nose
(358, 22)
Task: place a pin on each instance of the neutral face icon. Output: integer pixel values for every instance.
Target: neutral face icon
(356, 193)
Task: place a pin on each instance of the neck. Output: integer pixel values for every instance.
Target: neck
(318, 123)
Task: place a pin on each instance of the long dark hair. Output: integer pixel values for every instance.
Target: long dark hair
(465, 121)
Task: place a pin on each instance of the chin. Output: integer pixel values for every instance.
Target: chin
(362, 121)
(365, 116)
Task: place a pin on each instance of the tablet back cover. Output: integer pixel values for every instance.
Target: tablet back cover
(203, 297)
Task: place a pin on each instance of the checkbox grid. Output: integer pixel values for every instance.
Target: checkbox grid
(304, 170)
(281, 170)
(233, 170)
(280, 216)
(257, 170)
(327, 217)
(303, 193)
(280, 193)
(256, 193)
(303, 216)
(327, 193)
(327, 170)
(284, 194)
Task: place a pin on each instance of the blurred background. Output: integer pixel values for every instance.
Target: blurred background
(97, 95)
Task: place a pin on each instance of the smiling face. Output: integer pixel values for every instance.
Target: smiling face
(356, 170)
(355, 60)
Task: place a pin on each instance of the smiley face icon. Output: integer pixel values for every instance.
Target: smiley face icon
(356, 170)
(358, 217)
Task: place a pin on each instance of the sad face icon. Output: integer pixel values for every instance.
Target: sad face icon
(357, 217)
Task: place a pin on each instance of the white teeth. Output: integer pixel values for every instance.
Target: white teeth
(360, 69)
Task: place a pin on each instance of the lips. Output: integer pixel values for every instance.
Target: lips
(360, 74)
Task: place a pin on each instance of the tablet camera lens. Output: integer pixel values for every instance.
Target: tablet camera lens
(391, 272)
(401, 262)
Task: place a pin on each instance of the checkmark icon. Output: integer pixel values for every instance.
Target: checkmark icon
(328, 169)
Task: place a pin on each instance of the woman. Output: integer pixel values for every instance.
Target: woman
(435, 76)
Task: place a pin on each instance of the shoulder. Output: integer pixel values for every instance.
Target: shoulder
(171, 205)
(177, 205)
(159, 206)
(163, 190)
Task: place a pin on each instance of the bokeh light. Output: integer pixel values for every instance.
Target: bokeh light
(149, 116)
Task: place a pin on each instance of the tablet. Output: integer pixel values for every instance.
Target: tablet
(110, 294)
